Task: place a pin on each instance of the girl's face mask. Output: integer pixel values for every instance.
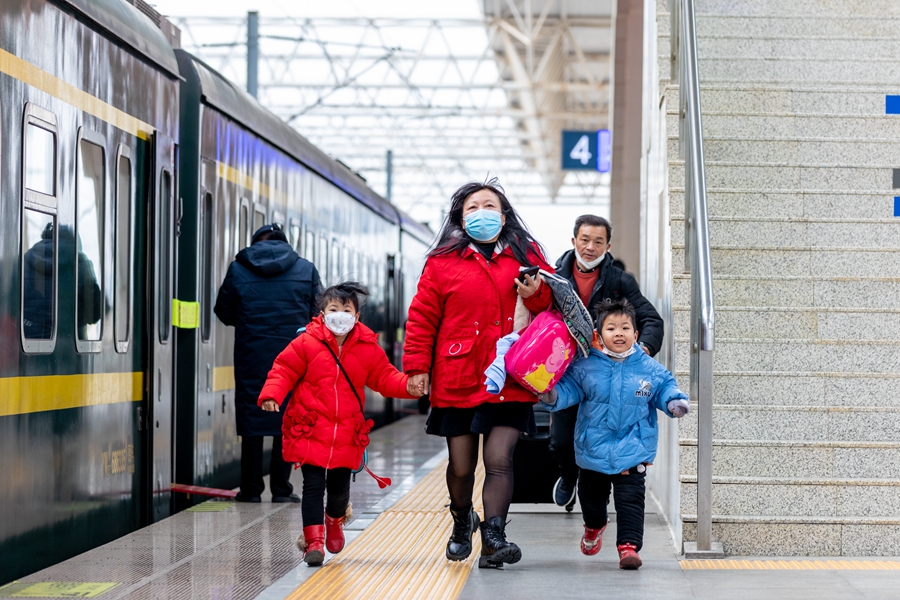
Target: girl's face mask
(340, 323)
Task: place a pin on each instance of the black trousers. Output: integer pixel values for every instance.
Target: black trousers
(628, 492)
(252, 483)
(316, 480)
(562, 441)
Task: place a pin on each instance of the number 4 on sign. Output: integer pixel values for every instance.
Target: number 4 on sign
(582, 150)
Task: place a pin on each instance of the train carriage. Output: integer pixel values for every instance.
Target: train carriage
(130, 175)
(86, 170)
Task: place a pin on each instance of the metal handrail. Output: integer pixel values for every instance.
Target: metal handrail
(697, 253)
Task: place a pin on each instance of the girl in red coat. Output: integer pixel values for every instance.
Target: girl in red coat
(325, 430)
(466, 301)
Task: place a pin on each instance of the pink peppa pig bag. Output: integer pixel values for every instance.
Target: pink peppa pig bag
(538, 359)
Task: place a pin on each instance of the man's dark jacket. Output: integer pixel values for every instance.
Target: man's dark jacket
(614, 283)
(269, 292)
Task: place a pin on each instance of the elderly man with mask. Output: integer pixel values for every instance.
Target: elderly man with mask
(590, 269)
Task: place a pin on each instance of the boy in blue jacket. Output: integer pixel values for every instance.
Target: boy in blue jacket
(619, 388)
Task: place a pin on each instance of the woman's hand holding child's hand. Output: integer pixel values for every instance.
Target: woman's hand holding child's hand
(415, 386)
(270, 406)
(679, 408)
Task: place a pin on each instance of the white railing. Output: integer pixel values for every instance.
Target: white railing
(696, 258)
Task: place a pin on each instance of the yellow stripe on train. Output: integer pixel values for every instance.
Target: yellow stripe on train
(25, 395)
(31, 75)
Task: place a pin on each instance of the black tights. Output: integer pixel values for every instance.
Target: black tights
(315, 481)
(498, 468)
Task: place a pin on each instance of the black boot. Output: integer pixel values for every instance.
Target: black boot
(495, 550)
(465, 523)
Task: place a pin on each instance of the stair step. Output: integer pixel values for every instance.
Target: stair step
(795, 292)
(772, 153)
(798, 25)
(802, 423)
(775, 203)
(810, 323)
(796, 232)
(794, 497)
(811, 47)
(791, 68)
(832, 8)
(793, 355)
(785, 459)
(789, 389)
(864, 128)
(827, 262)
(786, 176)
(807, 536)
(765, 99)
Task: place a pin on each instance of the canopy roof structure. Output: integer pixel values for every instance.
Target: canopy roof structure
(453, 99)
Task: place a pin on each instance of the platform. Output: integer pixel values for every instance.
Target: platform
(224, 550)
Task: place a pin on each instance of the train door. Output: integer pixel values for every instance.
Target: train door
(161, 342)
(206, 350)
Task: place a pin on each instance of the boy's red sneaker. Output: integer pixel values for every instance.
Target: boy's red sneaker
(334, 534)
(628, 557)
(592, 540)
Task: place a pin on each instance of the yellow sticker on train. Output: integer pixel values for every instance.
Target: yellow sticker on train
(185, 315)
(56, 589)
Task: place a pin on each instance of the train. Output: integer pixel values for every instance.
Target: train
(131, 174)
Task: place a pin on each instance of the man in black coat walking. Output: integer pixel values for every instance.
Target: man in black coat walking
(269, 292)
(590, 269)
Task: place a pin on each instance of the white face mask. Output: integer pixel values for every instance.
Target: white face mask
(593, 263)
(625, 354)
(340, 323)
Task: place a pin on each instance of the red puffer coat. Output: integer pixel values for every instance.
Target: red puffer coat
(323, 425)
(462, 307)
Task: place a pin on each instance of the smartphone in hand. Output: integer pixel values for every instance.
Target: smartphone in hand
(531, 271)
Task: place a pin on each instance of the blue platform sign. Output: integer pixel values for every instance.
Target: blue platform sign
(586, 150)
(604, 150)
(579, 150)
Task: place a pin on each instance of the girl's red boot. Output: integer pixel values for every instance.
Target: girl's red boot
(314, 554)
(334, 534)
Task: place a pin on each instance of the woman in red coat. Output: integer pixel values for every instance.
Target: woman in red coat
(466, 301)
(325, 430)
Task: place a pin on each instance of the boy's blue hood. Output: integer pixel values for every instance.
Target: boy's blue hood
(268, 258)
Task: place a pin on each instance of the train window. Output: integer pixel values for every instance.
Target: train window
(40, 159)
(334, 265)
(296, 238)
(346, 263)
(207, 269)
(164, 256)
(309, 246)
(278, 217)
(89, 230)
(40, 234)
(39, 239)
(124, 287)
(259, 216)
(322, 260)
(244, 225)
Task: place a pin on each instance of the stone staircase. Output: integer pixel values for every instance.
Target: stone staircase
(806, 258)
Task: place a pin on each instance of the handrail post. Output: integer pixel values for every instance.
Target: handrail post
(697, 262)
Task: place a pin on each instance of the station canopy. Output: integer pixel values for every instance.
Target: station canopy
(456, 91)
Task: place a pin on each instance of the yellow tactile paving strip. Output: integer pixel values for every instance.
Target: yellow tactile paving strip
(401, 554)
(792, 565)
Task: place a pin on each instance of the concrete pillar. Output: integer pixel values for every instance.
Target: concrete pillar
(627, 122)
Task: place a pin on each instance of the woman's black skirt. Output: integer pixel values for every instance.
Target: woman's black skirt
(451, 422)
